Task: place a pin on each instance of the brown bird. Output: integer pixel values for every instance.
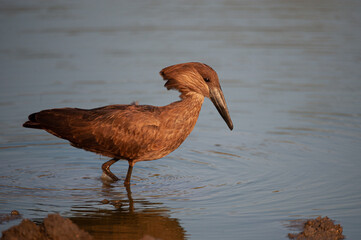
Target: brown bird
(138, 132)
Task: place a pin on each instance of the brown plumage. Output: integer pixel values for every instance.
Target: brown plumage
(138, 132)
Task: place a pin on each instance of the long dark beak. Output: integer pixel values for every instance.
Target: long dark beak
(216, 96)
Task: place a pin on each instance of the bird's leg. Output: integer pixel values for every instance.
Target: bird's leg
(130, 198)
(129, 173)
(105, 168)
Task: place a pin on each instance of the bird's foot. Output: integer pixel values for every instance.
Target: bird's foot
(106, 171)
(109, 176)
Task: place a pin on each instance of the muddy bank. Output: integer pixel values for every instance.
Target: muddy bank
(319, 229)
(54, 227)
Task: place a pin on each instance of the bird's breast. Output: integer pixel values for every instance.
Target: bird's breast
(177, 121)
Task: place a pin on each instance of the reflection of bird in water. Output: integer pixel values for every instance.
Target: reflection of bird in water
(138, 132)
(129, 219)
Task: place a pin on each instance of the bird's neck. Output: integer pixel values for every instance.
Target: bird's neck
(190, 104)
(184, 113)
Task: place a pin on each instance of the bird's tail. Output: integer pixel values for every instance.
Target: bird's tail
(32, 123)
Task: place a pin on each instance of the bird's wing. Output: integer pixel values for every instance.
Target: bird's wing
(130, 133)
(122, 131)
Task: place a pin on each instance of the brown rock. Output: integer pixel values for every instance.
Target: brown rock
(59, 228)
(54, 227)
(14, 212)
(319, 229)
(25, 230)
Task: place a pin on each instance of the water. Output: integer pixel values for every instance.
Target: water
(290, 72)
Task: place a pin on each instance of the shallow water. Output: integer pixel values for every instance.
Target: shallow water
(290, 72)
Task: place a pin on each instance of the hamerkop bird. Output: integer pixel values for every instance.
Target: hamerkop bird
(138, 132)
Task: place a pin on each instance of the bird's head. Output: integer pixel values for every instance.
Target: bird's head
(195, 77)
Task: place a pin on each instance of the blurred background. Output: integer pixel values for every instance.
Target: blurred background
(291, 75)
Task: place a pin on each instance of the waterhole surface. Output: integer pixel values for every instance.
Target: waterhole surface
(290, 72)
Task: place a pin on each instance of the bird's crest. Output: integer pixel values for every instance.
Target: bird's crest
(188, 77)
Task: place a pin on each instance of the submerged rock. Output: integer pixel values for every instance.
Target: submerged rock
(9, 217)
(14, 212)
(54, 227)
(319, 229)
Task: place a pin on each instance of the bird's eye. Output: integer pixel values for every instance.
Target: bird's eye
(206, 79)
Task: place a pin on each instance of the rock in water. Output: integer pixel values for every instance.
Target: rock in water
(54, 227)
(319, 229)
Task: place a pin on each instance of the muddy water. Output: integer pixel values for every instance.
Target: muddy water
(291, 75)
